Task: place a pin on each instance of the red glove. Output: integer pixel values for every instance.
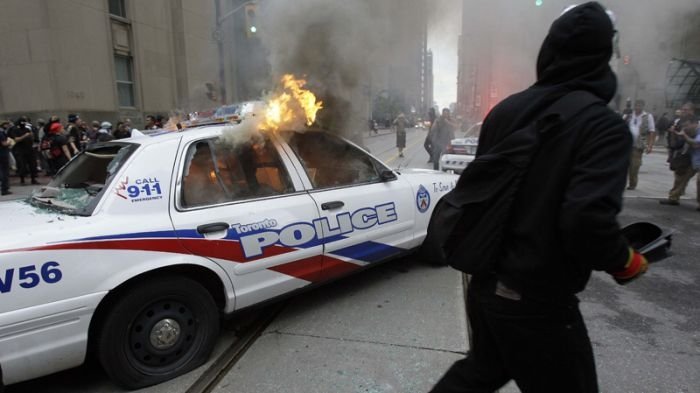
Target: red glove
(636, 266)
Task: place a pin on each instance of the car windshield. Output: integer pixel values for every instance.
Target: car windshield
(80, 184)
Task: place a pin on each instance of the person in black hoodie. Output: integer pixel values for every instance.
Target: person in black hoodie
(525, 321)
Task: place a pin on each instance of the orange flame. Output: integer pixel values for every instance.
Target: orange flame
(291, 103)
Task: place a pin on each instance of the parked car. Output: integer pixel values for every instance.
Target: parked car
(461, 151)
(237, 112)
(137, 246)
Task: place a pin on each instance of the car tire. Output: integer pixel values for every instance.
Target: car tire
(157, 330)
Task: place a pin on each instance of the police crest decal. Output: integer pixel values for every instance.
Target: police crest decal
(422, 199)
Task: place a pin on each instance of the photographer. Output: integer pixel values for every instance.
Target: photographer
(680, 151)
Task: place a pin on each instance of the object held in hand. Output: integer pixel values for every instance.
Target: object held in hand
(649, 240)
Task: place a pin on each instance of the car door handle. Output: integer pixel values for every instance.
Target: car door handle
(211, 228)
(332, 205)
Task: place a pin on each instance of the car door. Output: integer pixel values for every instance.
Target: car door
(239, 205)
(367, 212)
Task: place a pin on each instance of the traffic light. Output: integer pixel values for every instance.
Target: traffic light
(538, 3)
(251, 20)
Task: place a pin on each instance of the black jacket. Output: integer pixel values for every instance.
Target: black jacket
(564, 221)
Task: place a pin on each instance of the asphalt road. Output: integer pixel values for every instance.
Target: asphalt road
(397, 327)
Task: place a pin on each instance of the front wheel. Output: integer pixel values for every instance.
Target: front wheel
(156, 331)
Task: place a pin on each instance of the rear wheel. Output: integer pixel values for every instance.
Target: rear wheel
(156, 331)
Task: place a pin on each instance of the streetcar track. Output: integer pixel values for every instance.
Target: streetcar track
(230, 357)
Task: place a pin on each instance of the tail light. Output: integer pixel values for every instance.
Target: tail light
(450, 149)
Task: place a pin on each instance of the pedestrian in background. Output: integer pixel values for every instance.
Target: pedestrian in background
(23, 150)
(150, 123)
(76, 137)
(5, 144)
(643, 129)
(441, 133)
(524, 316)
(691, 134)
(679, 160)
(122, 131)
(93, 131)
(662, 125)
(401, 123)
(427, 145)
(42, 164)
(104, 134)
(58, 147)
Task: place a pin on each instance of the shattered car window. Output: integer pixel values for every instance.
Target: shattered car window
(216, 172)
(80, 184)
(330, 161)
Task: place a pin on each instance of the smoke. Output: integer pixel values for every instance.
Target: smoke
(444, 29)
(337, 46)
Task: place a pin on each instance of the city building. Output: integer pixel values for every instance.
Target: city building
(404, 71)
(107, 59)
(498, 59)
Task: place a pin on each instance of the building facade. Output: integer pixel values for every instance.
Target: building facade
(107, 59)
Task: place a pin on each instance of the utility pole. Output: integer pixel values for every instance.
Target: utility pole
(218, 36)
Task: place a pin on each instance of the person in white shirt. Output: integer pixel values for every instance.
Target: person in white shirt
(643, 129)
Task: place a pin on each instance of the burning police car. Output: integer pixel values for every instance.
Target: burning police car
(138, 246)
(461, 151)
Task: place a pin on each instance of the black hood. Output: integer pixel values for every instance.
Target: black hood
(576, 53)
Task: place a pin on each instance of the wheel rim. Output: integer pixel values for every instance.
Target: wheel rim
(162, 335)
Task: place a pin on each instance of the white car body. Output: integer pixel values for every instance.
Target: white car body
(58, 268)
(461, 151)
(456, 162)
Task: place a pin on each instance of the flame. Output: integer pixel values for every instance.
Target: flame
(290, 104)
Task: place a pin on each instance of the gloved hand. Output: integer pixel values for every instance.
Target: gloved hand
(636, 266)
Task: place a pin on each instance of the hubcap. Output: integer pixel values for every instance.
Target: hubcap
(162, 335)
(165, 333)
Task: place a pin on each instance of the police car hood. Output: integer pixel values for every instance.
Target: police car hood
(424, 177)
(26, 225)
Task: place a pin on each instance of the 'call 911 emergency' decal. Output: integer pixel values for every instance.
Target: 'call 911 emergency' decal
(28, 277)
(256, 237)
(141, 190)
(422, 199)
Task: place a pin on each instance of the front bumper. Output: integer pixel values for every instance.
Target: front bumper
(455, 162)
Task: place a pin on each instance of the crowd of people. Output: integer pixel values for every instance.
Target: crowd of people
(682, 141)
(46, 146)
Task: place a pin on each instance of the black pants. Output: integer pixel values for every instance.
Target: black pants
(437, 153)
(4, 171)
(543, 347)
(26, 163)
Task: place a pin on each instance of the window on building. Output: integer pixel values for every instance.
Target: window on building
(117, 8)
(125, 80)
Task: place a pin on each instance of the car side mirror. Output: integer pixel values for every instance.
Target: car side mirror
(387, 175)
